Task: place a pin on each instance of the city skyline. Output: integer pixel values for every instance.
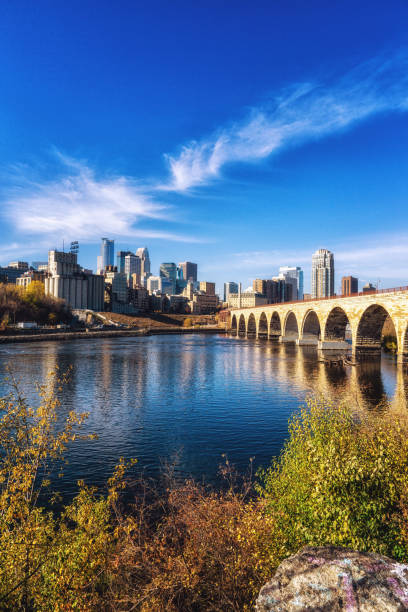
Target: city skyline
(245, 154)
(120, 257)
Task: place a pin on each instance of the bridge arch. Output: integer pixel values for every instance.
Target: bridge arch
(234, 325)
(251, 326)
(241, 326)
(291, 326)
(275, 327)
(370, 328)
(263, 326)
(336, 324)
(311, 325)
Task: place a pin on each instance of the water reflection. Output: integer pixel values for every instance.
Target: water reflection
(193, 397)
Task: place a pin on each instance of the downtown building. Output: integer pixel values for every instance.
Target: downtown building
(290, 273)
(349, 285)
(66, 280)
(248, 298)
(230, 287)
(322, 274)
(168, 271)
(10, 273)
(143, 254)
(107, 256)
(188, 271)
(277, 289)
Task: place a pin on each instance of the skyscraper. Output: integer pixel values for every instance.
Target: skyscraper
(107, 253)
(120, 260)
(296, 273)
(132, 266)
(189, 270)
(322, 274)
(230, 287)
(169, 270)
(143, 255)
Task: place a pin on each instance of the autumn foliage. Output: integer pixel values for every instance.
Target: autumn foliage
(31, 304)
(342, 479)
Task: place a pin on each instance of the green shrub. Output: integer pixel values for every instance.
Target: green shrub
(341, 481)
(389, 343)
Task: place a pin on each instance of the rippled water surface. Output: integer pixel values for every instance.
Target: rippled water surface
(189, 399)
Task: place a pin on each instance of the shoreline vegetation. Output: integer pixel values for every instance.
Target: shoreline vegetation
(341, 479)
(30, 304)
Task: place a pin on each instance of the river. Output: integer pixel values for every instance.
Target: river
(190, 399)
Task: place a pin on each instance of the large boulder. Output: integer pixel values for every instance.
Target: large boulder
(330, 578)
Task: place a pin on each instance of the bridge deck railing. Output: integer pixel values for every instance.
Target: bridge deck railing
(331, 297)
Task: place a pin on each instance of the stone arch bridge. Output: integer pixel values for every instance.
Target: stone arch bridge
(325, 322)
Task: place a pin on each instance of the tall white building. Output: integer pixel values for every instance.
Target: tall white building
(143, 255)
(292, 272)
(322, 274)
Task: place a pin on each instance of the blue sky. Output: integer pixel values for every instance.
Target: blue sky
(242, 136)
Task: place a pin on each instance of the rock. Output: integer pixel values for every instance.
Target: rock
(330, 578)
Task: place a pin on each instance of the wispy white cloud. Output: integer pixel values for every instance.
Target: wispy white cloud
(304, 112)
(78, 205)
(381, 257)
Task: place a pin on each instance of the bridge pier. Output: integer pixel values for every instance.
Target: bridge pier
(285, 339)
(308, 341)
(333, 345)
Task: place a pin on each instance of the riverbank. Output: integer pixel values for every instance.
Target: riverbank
(107, 333)
(338, 482)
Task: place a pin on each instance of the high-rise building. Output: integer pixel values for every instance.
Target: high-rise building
(293, 272)
(281, 290)
(322, 274)
(349, 285)
(143, 255)
(277, 289)
(169, 270)
(167, 286)
(133, 265)
(181, 283)
(120, 260)
(189, 270)
(107, 253)
(259, 286)
(207, 288)
(230, 287)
